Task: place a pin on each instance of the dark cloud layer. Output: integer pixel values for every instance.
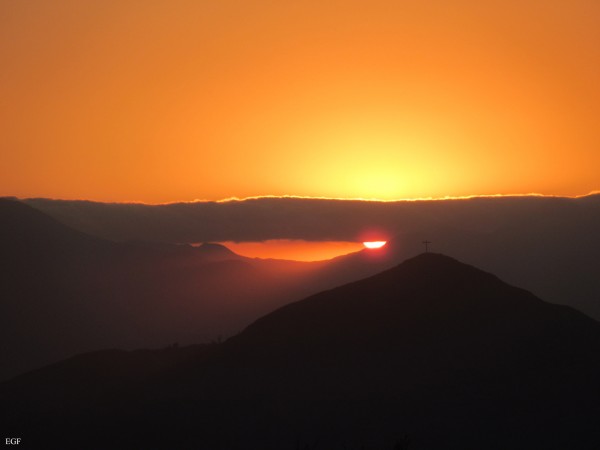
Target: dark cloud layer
(309, 219)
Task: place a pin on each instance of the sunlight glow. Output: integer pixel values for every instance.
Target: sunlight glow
(374, 244)
(293, 249)
(381, 100)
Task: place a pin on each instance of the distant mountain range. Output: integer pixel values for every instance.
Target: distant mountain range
(135, 294)
(65, 292)
(549, 245)
(432, 351)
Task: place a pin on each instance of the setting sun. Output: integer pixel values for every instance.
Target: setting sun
(374, 244)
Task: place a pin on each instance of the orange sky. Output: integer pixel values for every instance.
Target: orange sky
(158, 101)
(294, 249)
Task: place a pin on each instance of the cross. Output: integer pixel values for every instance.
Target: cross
(426, 245)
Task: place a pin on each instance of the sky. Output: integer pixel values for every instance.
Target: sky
(291, 249)
(162, 101)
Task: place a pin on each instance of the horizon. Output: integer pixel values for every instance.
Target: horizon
(296, 228)
(302, 197)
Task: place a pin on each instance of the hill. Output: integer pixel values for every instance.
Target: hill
(432, 348)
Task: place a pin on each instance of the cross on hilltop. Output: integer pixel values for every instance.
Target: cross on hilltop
(426, 246)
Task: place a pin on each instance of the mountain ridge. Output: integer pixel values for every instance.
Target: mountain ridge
(420, 285)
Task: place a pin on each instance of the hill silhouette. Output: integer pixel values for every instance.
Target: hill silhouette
(432, 348)
(216, 252)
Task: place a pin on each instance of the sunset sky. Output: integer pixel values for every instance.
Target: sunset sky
(160, 101)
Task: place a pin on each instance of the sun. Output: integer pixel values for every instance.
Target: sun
(374, 244)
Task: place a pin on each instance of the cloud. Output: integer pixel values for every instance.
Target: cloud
(258, 219)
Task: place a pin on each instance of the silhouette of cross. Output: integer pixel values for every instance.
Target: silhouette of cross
(426, 245)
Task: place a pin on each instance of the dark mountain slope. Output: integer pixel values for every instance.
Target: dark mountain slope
(431, 323)
(216, 252)
(425, 295)
(434, 348)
